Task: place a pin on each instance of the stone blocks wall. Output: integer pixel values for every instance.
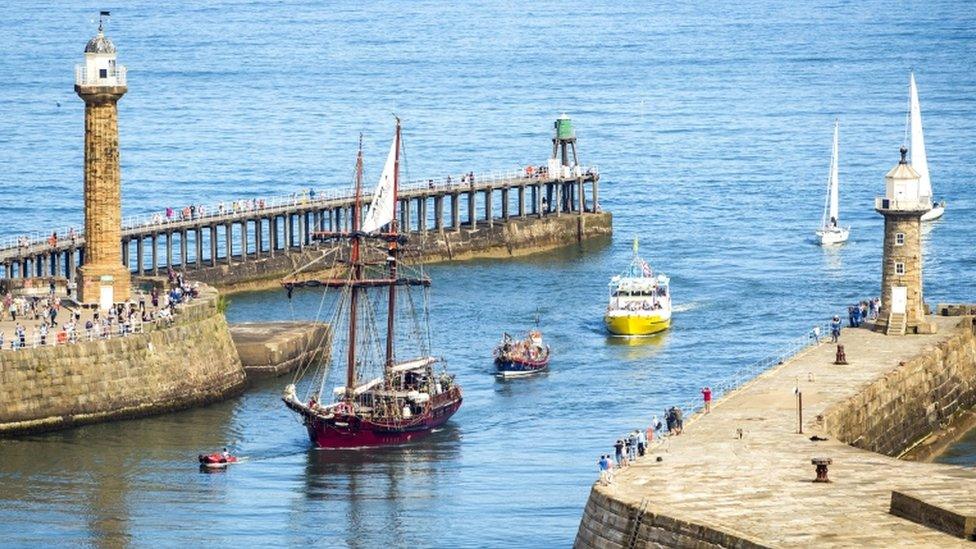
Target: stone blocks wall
(894, 412)
(189, 363)
(609, 523)
(516, 237)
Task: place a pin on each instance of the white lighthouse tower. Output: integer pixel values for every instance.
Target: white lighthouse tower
(902, 301)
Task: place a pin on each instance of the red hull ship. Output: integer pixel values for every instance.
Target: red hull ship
(408, 399)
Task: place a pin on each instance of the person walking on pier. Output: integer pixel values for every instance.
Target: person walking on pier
(707, 396)
(835, 329)
(641, 442)
(619, 452)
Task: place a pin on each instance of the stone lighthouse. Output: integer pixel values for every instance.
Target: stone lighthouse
(100, 82)
(902, 303)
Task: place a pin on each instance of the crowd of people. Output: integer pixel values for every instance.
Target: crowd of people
(635, 443)
(121, 319)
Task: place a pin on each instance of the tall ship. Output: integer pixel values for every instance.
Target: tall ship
(393, 391)
(640, 301)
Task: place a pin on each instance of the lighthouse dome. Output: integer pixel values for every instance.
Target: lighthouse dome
(100, 44)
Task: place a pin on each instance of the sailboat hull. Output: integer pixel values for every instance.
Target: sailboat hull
(352, 431)
(934, 213)
(833, 236)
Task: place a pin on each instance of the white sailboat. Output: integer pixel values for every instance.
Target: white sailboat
(918, 160)
(830, 231)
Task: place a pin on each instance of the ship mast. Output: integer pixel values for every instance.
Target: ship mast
(357, 275)
(392, 258)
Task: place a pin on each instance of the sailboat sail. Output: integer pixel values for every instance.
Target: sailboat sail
(919, 161)
(381, 209)
(835, 179)
(831, 215)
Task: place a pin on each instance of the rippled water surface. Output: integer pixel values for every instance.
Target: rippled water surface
(710, 124)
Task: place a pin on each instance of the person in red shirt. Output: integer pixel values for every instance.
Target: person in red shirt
(707, 395)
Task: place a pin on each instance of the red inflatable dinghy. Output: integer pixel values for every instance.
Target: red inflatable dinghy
(216, 460)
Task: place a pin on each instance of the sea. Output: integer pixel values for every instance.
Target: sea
(710, 124)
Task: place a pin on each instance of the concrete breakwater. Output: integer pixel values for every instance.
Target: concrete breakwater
(168, 367)
(516, 237)
(715, 487)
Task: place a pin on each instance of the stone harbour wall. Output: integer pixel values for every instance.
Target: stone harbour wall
(611, 522)
(895, 412)
(516, 237)
(189, 363)
(269, 349)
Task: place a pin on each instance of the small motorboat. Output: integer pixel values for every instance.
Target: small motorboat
(216, 460)
(515, 358)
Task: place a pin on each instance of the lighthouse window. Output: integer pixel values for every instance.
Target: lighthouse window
(899, 239)
(103, 73)
(899, 268)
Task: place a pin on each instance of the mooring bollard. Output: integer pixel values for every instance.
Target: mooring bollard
(821, 464)
(841, 357)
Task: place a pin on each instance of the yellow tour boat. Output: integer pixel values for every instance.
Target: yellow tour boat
(640, 301)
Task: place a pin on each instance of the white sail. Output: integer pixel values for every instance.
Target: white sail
(919, 162)
(834, 214)
(381, 209)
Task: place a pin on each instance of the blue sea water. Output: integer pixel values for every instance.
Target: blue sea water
(710, 123)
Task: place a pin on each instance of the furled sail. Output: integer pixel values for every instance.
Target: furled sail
(382, 208)
(919, 162)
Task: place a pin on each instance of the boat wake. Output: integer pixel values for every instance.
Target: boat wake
(685, 307)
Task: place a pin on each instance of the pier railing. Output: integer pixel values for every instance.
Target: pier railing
(747, 374)
(234, 209)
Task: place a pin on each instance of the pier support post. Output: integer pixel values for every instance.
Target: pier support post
(155, 254)
(559, 199)
(521, 202)
(301, 230)
(596, 195)
(405, 221)
(126, 244)
(140, 251)
(472, 217)
(489, 200)
(422, 213)
(581, 199)
(505, 203)
(537, 200)
(229, 241)
(24, 267)
(258, 222)
(455, 211)
(439, 213)
(71, 261)
(198, 247)
(213, 245)
(183, 250)
(244, 240)
(272, 235)
(289, 231)
(169, 248)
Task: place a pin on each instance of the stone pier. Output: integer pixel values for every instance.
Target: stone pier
(270, 349)
(713, 488)
(190, 362)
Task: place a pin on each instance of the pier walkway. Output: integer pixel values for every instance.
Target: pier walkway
(715, 489)
(250, 229)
